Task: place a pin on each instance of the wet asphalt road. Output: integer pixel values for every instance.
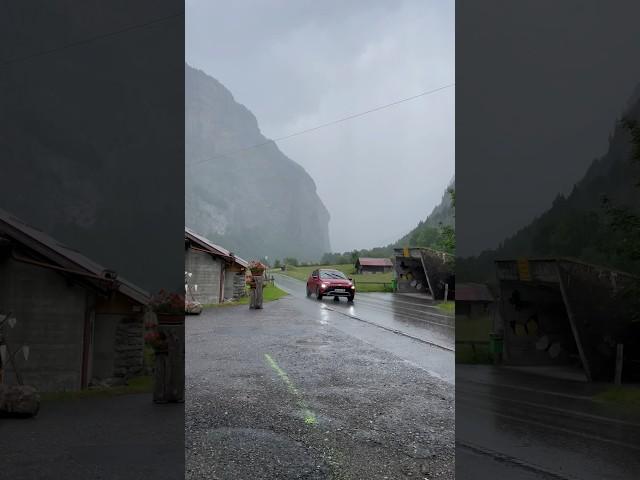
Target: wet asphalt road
(522, 426)
(302, 390)
(410, 315)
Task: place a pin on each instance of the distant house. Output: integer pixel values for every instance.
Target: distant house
(373, 265)
(79, 320)
(474, 300)
(217, 274)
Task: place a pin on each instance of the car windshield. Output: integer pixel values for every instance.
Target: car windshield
(332, 274)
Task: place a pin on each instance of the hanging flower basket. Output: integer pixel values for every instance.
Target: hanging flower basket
(256, 267)
(168, 307)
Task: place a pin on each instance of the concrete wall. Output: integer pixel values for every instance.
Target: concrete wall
(104, 333)
(229, 277)
(50, 314)
(207, 274)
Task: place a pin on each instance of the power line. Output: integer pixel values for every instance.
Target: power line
(324, 125)
(90, 39)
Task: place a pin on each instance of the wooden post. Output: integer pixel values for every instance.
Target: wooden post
(256, 293)
(446, 292)
(573, 323)
(169, 366)
(619, 351)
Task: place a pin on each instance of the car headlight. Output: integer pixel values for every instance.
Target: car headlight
(324, 285)
(353, 286)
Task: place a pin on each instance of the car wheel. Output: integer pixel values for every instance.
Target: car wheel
(318, 294)
(336, 299)
(350, 299)
(308, 292)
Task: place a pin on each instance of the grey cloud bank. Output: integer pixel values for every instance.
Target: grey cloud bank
(296, 65)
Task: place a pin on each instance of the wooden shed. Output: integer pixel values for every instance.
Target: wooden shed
(216, 273)
(79, 320)
(373, 265)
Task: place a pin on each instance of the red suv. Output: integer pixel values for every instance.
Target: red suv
(326, 282)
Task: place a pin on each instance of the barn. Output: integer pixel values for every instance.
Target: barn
(474, 300)
(78, 320)
(373, 265)
(217, 274)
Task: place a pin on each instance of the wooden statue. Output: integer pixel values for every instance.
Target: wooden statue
(256, 283)
(256, 292)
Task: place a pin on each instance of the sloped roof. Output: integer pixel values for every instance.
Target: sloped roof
(63, 255)
(211, 247)
(375, 262)
(473, 292)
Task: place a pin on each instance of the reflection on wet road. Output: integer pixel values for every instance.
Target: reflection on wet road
(410, 327)
(525, 426)
(411, 316)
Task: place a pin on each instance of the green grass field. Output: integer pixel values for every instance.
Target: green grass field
(134, 385)
(627, 396)
(302, 273)
(476, 329)
(447, 307)
(270, 293)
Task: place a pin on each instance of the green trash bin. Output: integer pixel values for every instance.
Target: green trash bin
(394, 284)
(495, 347)
(495, 343)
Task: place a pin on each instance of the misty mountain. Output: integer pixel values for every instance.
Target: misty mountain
(254, 201)
(578, 225)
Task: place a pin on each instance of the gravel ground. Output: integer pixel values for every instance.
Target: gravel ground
(280, 394)
(126, 437)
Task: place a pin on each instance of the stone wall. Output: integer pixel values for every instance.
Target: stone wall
(239, 285)
(129, 348)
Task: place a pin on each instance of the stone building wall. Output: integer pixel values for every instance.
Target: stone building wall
(129, 348)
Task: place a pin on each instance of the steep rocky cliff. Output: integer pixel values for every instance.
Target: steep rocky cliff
(254, 201)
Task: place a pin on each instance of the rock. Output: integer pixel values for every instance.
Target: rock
(19, 401)
(114, 382)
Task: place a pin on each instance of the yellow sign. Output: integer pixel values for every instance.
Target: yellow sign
(405, 252)
(523, 270)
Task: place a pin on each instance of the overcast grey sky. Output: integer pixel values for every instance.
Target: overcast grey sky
(540, 87)
(300, 63)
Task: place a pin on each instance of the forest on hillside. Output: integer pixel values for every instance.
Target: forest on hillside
(436, 231)
(598, 222)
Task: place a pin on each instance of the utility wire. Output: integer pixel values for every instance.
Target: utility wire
(324, 125)
(67, 46)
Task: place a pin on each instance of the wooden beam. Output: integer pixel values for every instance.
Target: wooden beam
(426, 275)
(572, 322)
(619, 357)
